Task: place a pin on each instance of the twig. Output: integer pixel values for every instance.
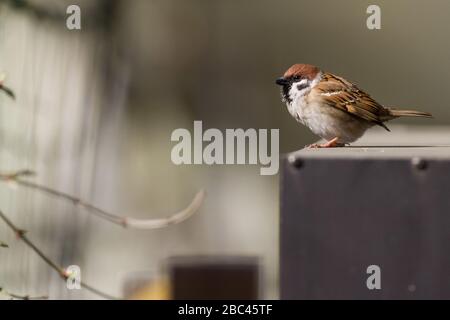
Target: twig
(126, 222)
(61, 271)
(3, 245)
(21, 297)
(8, 91)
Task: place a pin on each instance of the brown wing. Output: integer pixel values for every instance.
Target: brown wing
(343, 95)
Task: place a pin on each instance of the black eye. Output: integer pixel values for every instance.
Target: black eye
(297, 78)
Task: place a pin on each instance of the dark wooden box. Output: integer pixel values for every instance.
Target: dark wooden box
(343, 210)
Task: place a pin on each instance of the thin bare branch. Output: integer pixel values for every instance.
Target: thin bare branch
(14, 296)
(60, 270)
(7, 90)
(124, 221)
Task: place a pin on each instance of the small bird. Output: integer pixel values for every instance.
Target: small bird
(332, 107)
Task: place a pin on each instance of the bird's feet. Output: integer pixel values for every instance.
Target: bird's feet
(330, 144)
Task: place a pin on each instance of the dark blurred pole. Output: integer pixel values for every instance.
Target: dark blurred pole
(215, 277)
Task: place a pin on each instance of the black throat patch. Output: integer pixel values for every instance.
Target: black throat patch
(285, 93)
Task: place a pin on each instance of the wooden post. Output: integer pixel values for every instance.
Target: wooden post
(344, 210)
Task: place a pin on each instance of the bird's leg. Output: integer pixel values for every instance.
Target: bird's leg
(330, 144)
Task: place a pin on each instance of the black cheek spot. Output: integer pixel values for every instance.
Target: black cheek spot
(301, 86)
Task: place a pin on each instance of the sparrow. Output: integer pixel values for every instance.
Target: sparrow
(333, 108)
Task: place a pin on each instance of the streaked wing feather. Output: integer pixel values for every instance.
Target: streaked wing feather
(341, 94)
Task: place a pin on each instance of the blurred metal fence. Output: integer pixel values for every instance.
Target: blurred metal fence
(52, 128)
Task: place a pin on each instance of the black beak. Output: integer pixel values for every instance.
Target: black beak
(281, 81)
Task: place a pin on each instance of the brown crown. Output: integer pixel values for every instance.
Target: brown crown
(303, 70)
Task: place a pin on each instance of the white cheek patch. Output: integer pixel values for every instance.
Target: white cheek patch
(295, 92)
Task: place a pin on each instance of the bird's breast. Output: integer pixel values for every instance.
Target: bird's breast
(328, 122)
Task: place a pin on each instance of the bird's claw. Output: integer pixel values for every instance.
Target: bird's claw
(330, 144)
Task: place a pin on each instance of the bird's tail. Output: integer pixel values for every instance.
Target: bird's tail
(408, 113)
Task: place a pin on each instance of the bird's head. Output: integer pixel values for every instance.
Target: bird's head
(297, 81)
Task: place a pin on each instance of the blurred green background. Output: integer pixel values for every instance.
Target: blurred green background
(96, 109)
